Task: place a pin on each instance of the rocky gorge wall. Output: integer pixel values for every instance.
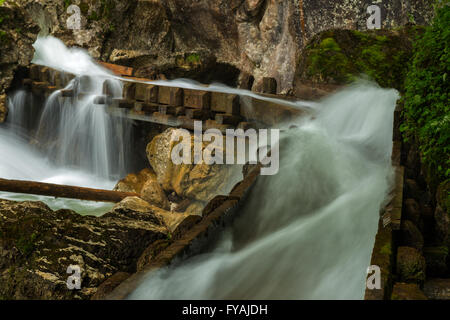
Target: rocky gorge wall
(17, 35)
(212, 39)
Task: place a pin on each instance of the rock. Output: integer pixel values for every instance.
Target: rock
(153, 193)
(412, 189)
(144, 183)
(436, 259)
(135, 182)
(338, 57)
(407, 291)
(410, 265)
(412, 212)
(109, 285)
(17, 35)
(37, 245)
(437, 289)
(211, 40)
(442, 225)
(442, 196)
(194, 181)
(411, 235)
(195, 208)
(137, 208)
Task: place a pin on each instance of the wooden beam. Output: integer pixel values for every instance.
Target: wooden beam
(118, 70)
(61, 191)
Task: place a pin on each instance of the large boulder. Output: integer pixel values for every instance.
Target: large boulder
(410, 265)
(37, 245)
(194, 181)
(411, 235)
(144, 183)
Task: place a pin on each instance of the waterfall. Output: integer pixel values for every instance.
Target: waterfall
(308, 232)
(75, 131)
(74, 141)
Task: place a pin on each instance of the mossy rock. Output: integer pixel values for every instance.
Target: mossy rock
(407, 291)
(411, 265)
(436, 259)
(341, 56)
(443, 196)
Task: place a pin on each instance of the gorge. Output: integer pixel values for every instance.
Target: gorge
(103, 107)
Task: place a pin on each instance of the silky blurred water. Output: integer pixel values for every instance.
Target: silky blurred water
(308, 232)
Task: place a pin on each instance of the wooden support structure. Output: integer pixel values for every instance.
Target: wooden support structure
(62, 191)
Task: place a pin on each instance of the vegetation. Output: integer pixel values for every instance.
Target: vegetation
(426, 98)
(341, 56)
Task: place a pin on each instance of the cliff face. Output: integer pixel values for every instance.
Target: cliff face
(263, 38)
(213, 39)
(17, 35)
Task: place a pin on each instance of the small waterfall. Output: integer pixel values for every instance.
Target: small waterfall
(306, 233)
(19, 119)
(76, 132)
(74, 141)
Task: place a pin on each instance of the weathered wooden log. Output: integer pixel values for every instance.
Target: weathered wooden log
(118, 70)
(62, 191)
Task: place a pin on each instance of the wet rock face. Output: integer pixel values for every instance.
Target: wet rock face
(144, 183)
(193, 181)
(37, 245)
(213, 39)
(17, 34)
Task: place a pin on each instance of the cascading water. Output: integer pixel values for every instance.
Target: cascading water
(306, 233)
(82, 143)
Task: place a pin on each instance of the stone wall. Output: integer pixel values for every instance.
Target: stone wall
(413, 240)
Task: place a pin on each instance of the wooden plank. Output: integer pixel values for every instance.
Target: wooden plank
(116, 69)
(62, 191)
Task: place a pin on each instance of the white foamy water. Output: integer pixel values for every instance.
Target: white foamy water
(80, 144)
(308, 232)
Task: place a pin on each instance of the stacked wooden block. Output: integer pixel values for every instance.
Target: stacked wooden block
(169, 105)
(43, 80)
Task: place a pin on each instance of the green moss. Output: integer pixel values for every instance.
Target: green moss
(67, 3)
(94, 16)
(436, 251)
(193, 58)
(26, 243)
(84, 7)
(3, 36)
(341, 56)
(327, 60)
(386, 249)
